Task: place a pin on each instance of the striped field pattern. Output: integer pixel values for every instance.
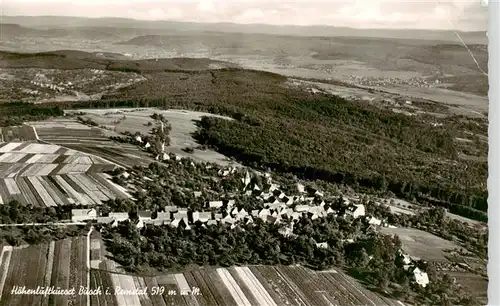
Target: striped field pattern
(50, 175)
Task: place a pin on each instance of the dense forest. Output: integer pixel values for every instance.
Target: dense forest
(16, 113)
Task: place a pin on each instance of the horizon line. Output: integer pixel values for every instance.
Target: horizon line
(246, 24)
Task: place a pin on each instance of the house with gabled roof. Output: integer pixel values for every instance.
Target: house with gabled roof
(273, 187)
(318, 194)
(301, 188)
(171, 208)
(248, 219)
(287, 230)
(421, 277)
(264, 213)
(158, 222)
(144, 215)
(288, 200)
(274, 206)
(215, 204)
(228, 220)
(322, 245)
(330, 211)
(246, 180)
(105, 220)
(139, 223)
(273, 219)
(374, 221)
(205, 216)
(218, 216)
(211, 222)
(175, 222)
(163, 215)
(296, 215)
(79, 215)
(181, 215)
(266, 195)
(302, 208)
(119, 216)
(197, 194)
(241, 214)
(234, 211)
(356, 210)
(255, 213)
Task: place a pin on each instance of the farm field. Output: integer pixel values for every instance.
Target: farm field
(91, 140)
(136, 120)
(17, 133)
(248, 286)
(421, 244)
(51, 175)
(59, 264)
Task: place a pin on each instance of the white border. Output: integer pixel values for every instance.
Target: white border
(494, 151)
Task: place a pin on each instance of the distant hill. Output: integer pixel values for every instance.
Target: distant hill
(8, 30)
(70, 59)
(161, 27)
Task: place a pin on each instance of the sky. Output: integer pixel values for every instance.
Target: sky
(466, 15)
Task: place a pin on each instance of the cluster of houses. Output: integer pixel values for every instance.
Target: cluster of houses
(420, 277)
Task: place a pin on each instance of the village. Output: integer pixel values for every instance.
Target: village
(279, 209)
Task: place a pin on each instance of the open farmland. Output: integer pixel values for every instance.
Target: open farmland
(245, 286)
(59, 264)
(17, 133)
(136, 120)
(421, 244)
(92, 140)
(51, 175)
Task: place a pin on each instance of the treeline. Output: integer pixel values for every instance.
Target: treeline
(14, 212)
(16, 113)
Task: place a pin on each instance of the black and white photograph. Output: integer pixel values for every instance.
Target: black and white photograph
(244, 152)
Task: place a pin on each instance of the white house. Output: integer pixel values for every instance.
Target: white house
(171, 208)
(322, 245)
(119, 216)
(215, 204)
(264, 213)
(374, 221)
(300, 188)
(356, 210)
(79, 215)
(286, 231)
(246, 180)
(139, 224)
(197, 194)
(205, 216)
(273, 187)
(302, 208)
(421, 277)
